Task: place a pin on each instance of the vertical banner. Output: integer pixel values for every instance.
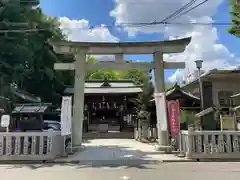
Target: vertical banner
(160, 102)
(66, 115)
(174, 117)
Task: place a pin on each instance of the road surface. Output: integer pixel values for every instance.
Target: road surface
(167, 171)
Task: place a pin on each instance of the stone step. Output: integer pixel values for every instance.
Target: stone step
(107, 135)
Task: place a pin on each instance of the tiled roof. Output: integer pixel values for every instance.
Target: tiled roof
(176, 89)
(105, 90)
(25, 95)
(95, 87)
(30, 109)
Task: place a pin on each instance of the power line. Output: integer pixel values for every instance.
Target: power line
(144, 2)
(130, 25)
(173, 23)
(194, 7)
(178, 11)
(14, 23)
(22, 30)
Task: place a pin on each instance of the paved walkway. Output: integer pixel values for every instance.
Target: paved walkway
(118, 150)
(166, 171)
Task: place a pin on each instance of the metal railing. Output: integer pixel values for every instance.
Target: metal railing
(30, 146)
(210, 144)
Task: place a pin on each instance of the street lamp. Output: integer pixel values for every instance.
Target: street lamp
(199, 66)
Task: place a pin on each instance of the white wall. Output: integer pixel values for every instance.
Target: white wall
(227, 85)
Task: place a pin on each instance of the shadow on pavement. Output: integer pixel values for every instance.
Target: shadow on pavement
(101, 157)
(126, 165)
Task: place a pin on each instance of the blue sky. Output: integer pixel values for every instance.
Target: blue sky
(97, 12)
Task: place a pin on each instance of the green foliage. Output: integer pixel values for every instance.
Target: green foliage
(136, 75)
(235, 12)
(144, 116)
(142, 102)
(26, 58)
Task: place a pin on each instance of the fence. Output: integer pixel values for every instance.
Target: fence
(30, 146)
(210, 144)
(151, 133)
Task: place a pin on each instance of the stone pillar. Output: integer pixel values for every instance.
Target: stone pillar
(160, 101)
(78, 104)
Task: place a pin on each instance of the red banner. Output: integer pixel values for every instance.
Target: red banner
(174, 117)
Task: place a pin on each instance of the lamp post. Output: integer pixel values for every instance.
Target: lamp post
(199, 66)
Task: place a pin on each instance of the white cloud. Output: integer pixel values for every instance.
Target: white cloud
(204, 38)
(157, 10)
(203, 46)
(79, 30)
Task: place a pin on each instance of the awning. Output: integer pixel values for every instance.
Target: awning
(235, 95)
(25, 96)
(204, 112)
(25, 108)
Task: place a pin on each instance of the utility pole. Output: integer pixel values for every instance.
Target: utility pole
(199, 66)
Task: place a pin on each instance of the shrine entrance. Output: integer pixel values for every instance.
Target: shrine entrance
(157, 49)
(109, 102)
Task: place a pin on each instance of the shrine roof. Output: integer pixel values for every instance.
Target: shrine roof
(111, 87)
(176, 93)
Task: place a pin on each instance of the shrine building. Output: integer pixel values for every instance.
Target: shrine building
(108, 103)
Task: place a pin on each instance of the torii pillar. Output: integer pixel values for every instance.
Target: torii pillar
(81, 49)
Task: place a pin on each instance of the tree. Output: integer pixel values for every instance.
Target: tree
(139, 77)
(235, 12)
(143, 115)
(27, 58)
(101, 74)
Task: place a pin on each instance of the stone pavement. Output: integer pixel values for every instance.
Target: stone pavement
(118, 150)
(166, 171)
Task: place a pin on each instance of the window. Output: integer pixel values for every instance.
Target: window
(224, 98)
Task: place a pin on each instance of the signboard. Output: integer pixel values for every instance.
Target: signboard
(5, 120)
(160, 102)
(227, 123)
(66, 115)
(174, 117)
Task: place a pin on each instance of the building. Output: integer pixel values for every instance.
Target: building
(218, 86)
(188, 103)
(110, 103)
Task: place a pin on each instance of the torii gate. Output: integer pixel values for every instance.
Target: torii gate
(81, 49)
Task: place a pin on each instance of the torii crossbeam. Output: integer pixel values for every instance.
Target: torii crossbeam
(81, 49)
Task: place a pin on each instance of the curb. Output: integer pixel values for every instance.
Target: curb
(117, 162)
(86, 162)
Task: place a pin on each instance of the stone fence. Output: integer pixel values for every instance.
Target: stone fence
(31, 146)
(210, 144)
(150, 133)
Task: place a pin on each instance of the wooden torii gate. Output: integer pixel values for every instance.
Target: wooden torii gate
(81, 49)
